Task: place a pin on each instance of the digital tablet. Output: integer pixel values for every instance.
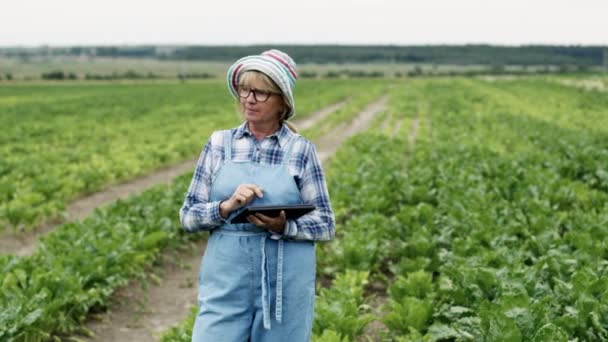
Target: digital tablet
(292, 211)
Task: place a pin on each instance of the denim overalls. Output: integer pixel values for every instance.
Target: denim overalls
(254, 286)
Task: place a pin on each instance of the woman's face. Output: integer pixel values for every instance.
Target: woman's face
(256, 111)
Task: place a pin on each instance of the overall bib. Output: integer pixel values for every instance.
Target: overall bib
(253, 287)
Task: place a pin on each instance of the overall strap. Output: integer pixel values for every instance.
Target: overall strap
(278, 312)
(227, 145)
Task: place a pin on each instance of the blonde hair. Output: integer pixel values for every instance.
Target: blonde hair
(253, 76)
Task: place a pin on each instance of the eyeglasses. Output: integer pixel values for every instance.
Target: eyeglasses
(258, 95)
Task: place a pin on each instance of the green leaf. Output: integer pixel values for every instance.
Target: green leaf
(154, 239)
(498, 327)
(32, 317)
(550, 333)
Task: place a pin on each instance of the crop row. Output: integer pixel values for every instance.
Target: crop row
(516, 246)
(77, 267)
(483, 238)
(62, 142)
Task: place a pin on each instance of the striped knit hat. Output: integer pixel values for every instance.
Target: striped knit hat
(273, 63)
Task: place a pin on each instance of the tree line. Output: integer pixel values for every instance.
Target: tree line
(324, 54)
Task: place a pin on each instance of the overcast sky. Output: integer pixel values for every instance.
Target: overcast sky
(117, 22)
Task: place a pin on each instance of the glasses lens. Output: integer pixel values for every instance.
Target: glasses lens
(261, 95)
(244, 92)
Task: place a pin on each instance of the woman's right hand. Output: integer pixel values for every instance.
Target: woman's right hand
(244, 194)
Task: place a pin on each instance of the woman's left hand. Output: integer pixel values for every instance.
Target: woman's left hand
(273, 224)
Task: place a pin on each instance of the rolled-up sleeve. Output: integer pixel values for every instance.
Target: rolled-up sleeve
(197, 212)
(319, 225)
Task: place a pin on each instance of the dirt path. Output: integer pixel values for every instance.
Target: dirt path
(140, 315)
(316, 117)
(329, 143)
(374, 330)
(589, 84)
(25, 243)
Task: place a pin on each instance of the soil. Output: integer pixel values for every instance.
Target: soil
(143, 310)
(318, 116)
(329, 143)
(21, 243)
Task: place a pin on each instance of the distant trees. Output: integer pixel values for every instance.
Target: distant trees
(58, 75)
(438, 54)
(324, 54)
(420, 70)
(127, 75)
(336, 61)
(184, 76)
(308, 74)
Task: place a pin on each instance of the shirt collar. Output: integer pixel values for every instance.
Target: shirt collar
(282, 134)
(242, 130)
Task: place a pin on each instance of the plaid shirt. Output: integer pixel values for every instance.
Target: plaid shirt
(198, 213)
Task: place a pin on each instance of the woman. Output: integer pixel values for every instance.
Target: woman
(257, 280)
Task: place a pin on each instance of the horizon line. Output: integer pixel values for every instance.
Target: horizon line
(530, 44)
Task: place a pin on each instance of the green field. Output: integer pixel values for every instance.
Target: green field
(492, 229)
(470, 210)
(65, 141)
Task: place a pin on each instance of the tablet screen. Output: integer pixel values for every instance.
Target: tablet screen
(292, 211)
